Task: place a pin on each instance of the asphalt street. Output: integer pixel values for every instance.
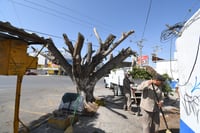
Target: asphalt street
(39, 95)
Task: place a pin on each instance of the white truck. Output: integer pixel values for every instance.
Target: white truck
(114, 80)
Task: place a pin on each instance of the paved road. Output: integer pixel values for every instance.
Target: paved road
(40, 95)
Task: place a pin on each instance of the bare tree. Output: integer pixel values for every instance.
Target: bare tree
(83, 70)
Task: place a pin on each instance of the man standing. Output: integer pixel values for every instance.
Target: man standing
(127, 92)
(149, 105)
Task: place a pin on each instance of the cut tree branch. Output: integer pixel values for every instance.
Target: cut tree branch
(89, 54)
(116, 61)
(102, 54)
(69, 44)
(62, 61)
(99, 40)
(108, 42)
(97, 36)
(123, 37)
(77, 55)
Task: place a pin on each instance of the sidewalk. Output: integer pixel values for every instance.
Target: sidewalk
(111, 118)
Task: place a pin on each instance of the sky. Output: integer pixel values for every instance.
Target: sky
(148, 18)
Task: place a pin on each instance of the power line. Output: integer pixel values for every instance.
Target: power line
(146, 21)
(177, 29)
(60, 14)
(38, 9)
(139, 43)
(156, 49)
(42, 33)
(50, 11)
(18, 18)
(51, 35)
(191, 8)
(79, 13)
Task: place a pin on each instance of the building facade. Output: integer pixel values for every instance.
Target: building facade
(188, 63)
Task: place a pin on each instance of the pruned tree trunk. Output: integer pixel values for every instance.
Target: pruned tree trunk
(83, 71)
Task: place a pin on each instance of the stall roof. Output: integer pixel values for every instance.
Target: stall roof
(7, 31)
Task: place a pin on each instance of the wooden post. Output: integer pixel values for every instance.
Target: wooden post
(17, 103)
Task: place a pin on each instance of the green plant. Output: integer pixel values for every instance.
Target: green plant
(166, 86)
(142, 73)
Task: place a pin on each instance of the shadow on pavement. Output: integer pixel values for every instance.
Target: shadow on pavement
(86, 124)
(90, 123)
(112, 102)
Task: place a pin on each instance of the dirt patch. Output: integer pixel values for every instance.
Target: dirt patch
(172, 122)
(172, 116)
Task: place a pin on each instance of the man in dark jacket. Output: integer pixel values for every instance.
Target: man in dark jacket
(127, 92)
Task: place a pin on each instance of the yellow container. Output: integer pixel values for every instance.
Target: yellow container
(61, 122)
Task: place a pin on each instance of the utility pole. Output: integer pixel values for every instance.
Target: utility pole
(156, 49)
(139, 44)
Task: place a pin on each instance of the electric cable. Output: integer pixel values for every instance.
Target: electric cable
(139, 43)
(146, 21)
(190, 9)
(79, 13)
(18, 18)
(57, 13)
(49, 13)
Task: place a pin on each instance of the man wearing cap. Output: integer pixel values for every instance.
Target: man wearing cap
(149, 104)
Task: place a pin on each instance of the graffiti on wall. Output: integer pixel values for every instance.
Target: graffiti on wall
(191, 101)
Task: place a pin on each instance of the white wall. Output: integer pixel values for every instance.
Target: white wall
(169, 67)
(41, 59)
(188, 58)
